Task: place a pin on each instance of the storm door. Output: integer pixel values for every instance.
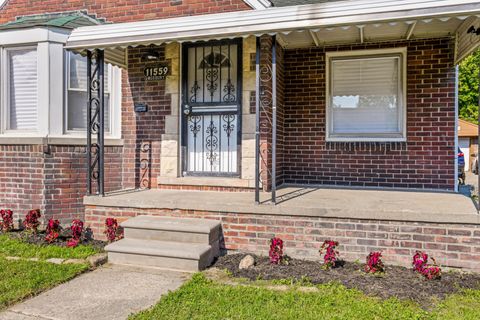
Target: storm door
(212, 79)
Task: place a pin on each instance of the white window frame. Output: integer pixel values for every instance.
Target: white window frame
(115, 91)
(5, 90)
(402, 101)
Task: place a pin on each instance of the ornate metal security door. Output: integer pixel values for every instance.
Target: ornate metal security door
(212, 73)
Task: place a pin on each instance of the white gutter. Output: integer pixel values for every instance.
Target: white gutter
(268, 21)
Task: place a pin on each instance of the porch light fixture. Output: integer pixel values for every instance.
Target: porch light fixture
(151, 55)
(474, 30)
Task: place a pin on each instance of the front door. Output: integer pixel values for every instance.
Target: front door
(211, 117)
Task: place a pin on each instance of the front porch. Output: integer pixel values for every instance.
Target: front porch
(395, 222)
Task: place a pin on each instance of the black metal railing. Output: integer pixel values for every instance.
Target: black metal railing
(266, 103)
(95, 122)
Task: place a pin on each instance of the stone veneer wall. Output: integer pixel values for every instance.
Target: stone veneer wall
(452, 245)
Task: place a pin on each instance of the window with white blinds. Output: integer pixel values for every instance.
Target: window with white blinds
(22, 77)
(366, 97)
(77, 93)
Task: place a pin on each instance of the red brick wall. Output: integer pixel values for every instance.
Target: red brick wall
(21, 178)
(65, 180)
(52, 179)
(451, 245)
(426, 160)
(122, 11)
(142, 132)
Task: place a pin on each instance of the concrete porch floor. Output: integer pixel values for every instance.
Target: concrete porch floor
(415, 206)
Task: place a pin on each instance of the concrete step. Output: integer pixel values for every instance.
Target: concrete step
(161, 254)
(172, 229)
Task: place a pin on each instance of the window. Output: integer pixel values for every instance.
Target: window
(366, 95)
(77, 94)
(22, 82)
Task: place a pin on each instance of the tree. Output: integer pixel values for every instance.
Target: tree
(468, 87)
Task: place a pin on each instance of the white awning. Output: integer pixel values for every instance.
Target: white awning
(343, 22)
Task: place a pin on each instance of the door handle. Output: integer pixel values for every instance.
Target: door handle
(187, 109)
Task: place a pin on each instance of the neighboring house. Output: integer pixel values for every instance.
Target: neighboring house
(231, 97)
(468, 141)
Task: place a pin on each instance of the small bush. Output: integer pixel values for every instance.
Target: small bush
(111, 229)
(7, 220)
(77, 231)
(331, 254)
(374, 263)
(31, 222)
(420, 265)
(53, 230)
(276, 251)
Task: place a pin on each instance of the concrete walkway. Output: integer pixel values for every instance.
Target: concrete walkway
(108, 293)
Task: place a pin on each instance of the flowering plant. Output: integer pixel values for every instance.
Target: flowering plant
(374, 263)
(7, 220)
(276, 251)
(53, 230)
(31, 222)
(420, 265)
(111, 229)
(331, 254)
(77, 230)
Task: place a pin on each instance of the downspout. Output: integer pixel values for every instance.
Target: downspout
(456, 129)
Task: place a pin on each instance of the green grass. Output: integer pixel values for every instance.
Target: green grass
(21, 279)
(204, 299)
(18, 248)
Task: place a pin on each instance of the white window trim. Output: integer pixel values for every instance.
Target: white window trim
(5, 91)
(402, 103)
(115, 105)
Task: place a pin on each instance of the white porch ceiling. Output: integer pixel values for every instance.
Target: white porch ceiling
(322, 24)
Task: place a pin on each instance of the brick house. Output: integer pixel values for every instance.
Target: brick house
(308, 120)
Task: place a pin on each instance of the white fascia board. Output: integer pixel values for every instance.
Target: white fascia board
(33, 35)
(271, 20)
(257, 4)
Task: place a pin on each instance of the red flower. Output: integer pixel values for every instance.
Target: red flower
(53, 230)
(331, 254)
(111, 229)
(31, 222)
(7, 220)
(374, 263)
(276, 251)
(420, 265)
(77, 230)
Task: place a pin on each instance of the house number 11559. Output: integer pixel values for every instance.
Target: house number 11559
(158, 72)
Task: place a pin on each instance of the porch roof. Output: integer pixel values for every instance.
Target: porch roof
(328, 23)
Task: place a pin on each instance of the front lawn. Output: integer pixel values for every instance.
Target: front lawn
(20, 279)
(201, 298)
(13, 247)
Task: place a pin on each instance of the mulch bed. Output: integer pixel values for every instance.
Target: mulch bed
(398, 282)
(61, 241)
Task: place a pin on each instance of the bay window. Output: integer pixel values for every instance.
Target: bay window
(366, 95)
(76, 110)
(43, 90)
(21, 89)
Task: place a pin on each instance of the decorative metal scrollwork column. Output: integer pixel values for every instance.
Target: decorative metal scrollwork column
(95, 122)
(265, 123)
(145, 165)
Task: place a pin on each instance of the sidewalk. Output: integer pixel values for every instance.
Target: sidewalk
(108, 293)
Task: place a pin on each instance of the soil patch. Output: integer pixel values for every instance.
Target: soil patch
(61, 241)
(397, 282)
